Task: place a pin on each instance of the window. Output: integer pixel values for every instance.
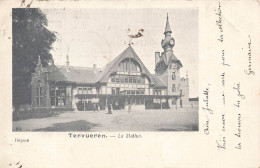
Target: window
(117, 79)
(117, 91)
(126, 79)
(113, 91)
(142, 100)
(134, 79)
(52, 91)
(58, 95)
(121, 67)
(142, 91)
(130, 79)
(89, 90)
(126, 66)
(180, 92)
(173, 88)
(157, 92)
(131, 66)
(122, 79)
(39, 96)
(84, 90)
(138, 80)
(80, 90)
(173, 76)
(113, 79)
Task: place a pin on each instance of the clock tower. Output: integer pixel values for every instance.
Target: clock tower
(167, 65)
(168, 42)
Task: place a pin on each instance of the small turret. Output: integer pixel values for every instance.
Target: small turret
(67, 64)
(95, 68)
(38, 68)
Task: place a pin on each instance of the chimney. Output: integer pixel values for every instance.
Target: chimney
(95, 68)
(157, 57)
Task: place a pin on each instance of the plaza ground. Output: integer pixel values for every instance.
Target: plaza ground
(148, 120)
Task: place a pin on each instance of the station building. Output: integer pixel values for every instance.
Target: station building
(122, 82)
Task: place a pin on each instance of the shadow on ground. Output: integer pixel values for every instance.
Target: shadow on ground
(186, 128)
(80, 125)
(25, 115)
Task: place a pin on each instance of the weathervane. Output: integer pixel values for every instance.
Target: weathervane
(130, 42)
(131, 36)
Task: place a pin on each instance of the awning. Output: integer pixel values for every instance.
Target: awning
(130, 89)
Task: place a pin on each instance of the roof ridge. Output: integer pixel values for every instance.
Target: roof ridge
(105, 71)
(76, 67)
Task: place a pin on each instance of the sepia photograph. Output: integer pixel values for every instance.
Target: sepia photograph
(98, 70)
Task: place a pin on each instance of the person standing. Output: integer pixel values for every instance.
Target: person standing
(109, 109)
(94, 107)
(129, 108)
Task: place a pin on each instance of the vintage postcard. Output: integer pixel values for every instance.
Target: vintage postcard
(130, 84)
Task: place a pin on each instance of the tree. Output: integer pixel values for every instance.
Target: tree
(31, 38)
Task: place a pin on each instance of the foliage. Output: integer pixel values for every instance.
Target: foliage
(31, 38)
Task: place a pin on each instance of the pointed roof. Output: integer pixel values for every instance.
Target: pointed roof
(167, 27)
(113, 65)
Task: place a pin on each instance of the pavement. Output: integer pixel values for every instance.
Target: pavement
(120, 120)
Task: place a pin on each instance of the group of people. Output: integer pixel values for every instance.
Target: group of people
(109, 108)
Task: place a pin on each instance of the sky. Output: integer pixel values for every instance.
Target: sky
(97, 36)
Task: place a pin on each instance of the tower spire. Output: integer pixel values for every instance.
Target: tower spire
(167, 27)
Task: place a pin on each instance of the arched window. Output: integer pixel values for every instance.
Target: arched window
(173, 76)
(39, 96)
(129, 65)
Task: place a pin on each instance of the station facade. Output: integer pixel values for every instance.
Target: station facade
(124, 81)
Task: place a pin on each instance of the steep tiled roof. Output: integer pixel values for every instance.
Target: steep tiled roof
(87, 75)
(159, 82)
(74, 75)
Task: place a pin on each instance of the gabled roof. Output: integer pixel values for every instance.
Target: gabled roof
(113, 65)
(74, 75)
(82, 75)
